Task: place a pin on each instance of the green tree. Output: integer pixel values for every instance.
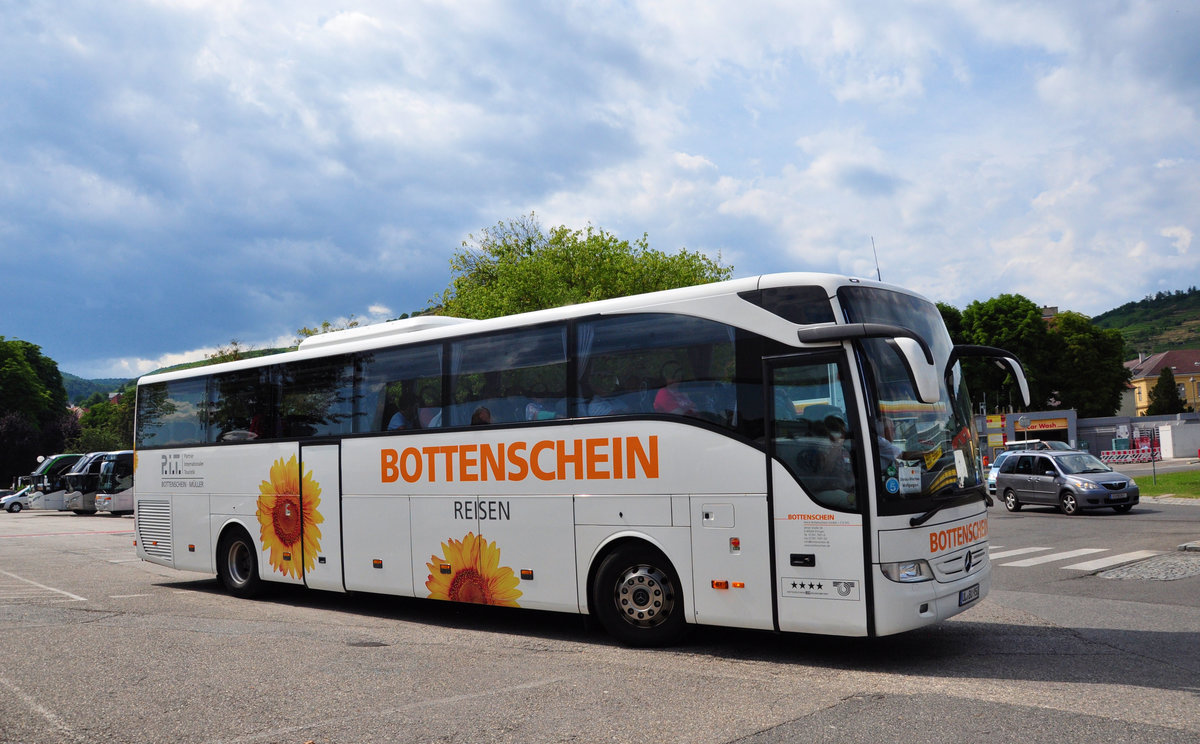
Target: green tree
(22, 392)
(107, 424)
(1013, 323)
(1086, 368)
(33, 402)
(516, 267)
(325, 327)
(1164, 396)
(231, 353)
(952, 317)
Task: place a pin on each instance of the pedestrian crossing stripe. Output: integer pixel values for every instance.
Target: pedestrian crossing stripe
(1112, 560)
(1093, 565)
(1040, 559)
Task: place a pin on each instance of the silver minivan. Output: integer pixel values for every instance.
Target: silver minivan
(1069, 480)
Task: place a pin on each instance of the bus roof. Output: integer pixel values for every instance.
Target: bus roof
(716, 301)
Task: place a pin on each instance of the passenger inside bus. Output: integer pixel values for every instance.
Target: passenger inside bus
(671, 398)
(404, 417)
(429, 415)
(604, 401)
(817, 445)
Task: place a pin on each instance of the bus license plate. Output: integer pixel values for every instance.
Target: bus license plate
(968, 595)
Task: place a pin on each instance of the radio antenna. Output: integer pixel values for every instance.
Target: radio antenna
(878, 276)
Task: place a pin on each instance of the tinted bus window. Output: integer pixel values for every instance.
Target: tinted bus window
(243, 406)
(517, 376)
(803, 305)
(657, 364)
(402, 388)
(319, 399)
(172, 413)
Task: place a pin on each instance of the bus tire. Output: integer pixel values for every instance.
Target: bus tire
(237, 564)
(636, 596)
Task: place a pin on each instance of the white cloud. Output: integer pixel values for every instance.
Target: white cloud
(1182, 237)
(249, 168)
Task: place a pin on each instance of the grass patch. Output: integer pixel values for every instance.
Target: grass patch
(1185, 484)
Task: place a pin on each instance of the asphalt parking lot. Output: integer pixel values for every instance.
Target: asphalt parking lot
(102, 647)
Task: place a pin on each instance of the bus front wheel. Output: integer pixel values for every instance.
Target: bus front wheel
(636, 596)
(237, 564)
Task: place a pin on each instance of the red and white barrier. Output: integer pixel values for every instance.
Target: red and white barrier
(1133, 455)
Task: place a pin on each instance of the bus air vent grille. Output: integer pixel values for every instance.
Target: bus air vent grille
(154, 528)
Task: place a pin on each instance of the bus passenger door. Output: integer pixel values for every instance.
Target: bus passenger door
(321, 496)
(818, 495)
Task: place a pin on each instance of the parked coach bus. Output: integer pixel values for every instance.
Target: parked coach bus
(49, 484)
(115, 491)
(792, 452)
(82, 481)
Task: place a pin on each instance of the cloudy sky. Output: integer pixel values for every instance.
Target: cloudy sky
(175, 175)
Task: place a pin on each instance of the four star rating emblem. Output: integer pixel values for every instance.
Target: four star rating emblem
(826, 588)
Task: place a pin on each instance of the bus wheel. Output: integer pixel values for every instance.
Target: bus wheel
(1010, 501)
(237, 564)
(636, 597)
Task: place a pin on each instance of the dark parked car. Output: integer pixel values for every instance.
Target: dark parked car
(1069, 480)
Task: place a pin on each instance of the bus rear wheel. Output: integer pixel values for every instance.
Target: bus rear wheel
(237, 564)
(636, 597)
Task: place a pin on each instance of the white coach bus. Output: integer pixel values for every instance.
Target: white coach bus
(792, 452)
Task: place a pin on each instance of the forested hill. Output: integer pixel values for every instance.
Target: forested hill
(1162, 322)
(79, 389)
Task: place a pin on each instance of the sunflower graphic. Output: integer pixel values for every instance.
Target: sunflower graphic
(474, 574)
(285, 522)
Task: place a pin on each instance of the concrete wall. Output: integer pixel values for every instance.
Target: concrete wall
(1096, 434)
(1180, 440)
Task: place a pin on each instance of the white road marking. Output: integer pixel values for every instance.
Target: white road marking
(74, 597)
(1015, 551)
(1112, 560)
(1054, 557)
(55, 722)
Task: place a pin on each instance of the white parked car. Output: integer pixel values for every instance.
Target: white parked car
(15, 502)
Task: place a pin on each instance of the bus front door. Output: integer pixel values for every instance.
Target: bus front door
(815, 470)
(321, 492)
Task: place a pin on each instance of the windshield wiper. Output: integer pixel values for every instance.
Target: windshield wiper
(941, 502)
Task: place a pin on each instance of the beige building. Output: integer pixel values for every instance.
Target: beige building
(1184, 364)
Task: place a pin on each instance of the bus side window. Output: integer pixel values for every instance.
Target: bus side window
(172, 413)
(319, 398)
(813, 438)
(517, 376)
(669, 364)
(402, 388)
(241, 406)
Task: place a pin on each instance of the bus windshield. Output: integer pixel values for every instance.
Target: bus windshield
(925, 451)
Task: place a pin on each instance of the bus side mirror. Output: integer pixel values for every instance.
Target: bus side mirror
(1006, 360)
(907, 343)
(924, 374)
(1018, 372)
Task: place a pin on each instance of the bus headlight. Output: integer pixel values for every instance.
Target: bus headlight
(907, 572)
